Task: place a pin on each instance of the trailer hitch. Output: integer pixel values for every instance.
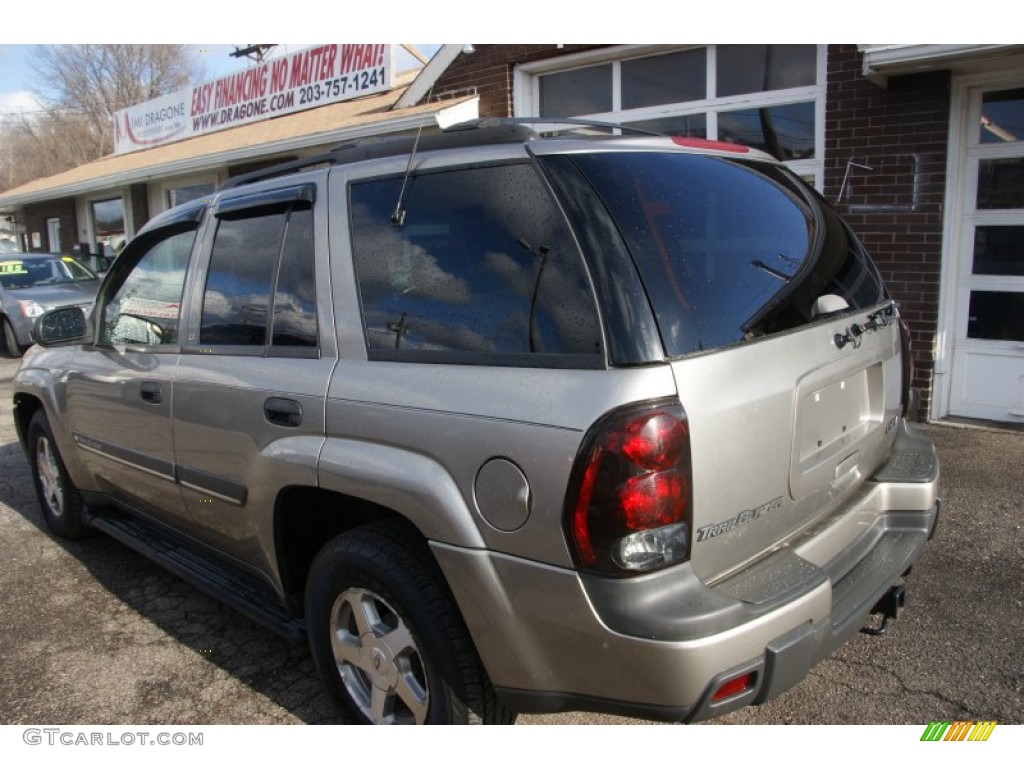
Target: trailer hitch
(889, 606)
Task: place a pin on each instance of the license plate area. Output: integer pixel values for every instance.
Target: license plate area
(835, 417)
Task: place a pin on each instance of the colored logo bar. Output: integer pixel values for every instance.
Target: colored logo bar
(958, 730)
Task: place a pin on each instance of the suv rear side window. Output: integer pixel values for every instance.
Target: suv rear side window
(261, 267)
(483, 270)
(727, 251)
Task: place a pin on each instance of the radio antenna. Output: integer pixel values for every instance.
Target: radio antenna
(398, 217)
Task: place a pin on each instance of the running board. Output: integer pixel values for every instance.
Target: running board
(246, 594)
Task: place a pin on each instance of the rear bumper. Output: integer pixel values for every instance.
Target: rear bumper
(658, 646)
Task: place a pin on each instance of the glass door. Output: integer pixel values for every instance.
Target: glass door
(988, 354)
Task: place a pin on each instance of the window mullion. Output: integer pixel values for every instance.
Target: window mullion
(616, 86)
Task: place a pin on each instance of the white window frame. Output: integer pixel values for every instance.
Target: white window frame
(526, 95)
(53, 233)
(84, 205)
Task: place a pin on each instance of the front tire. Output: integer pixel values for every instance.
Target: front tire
(386, 637)
(59, 500)
(11, 346)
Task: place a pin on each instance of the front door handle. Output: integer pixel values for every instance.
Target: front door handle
(151, 392)
(282, 411)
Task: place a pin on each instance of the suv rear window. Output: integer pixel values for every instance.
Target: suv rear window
(727, 251)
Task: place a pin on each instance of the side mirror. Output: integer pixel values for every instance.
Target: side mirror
(61, 326)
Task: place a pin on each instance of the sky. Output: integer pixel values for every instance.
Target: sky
(17, 75)
(452, 20)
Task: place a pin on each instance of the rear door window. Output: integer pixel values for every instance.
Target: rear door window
(260, 287)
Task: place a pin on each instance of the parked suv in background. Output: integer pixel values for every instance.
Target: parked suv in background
(502, 421)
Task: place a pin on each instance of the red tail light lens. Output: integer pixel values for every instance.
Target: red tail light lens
(652, 500)
(629, 508)
(655, 441)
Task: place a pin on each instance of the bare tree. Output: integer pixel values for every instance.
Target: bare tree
(93, 82)
(81, 87)
(32, 147)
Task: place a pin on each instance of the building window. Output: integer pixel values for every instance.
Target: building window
(186, 194)
(754, 68)
(108, 225)
(668, 79)
(1002, 116)
(579, 91)
(770, 97)
(785, 132)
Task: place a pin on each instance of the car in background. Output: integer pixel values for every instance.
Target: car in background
(32, 283)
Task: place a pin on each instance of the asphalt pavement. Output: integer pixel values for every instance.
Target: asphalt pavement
(91, 633)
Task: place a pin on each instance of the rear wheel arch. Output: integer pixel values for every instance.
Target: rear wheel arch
(387, 636)
(305, 519)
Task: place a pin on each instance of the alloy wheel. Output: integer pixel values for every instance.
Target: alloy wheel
(378, 659)
(48, 472)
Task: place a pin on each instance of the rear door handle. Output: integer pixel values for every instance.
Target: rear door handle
(151, 392)
(282, 411)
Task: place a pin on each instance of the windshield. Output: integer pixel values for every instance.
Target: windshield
(727, 251)
(33, 272)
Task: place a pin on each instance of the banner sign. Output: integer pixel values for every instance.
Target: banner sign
(307, 79)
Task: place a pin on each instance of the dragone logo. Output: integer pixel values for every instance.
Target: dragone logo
(958, 730)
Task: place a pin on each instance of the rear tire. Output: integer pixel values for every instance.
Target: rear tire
(59, 500)
(11, 346)
(386, 636)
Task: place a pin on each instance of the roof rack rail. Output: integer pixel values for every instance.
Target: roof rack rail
(374, 147)
(543, 125)
(280, 169)
(489, 130)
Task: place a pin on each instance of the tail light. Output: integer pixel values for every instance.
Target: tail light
(629, 506)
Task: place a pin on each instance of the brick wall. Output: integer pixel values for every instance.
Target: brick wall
(34, 218)
(488, 71)
(901, 132)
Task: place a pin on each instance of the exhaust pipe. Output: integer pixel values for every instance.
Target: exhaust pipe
(890, 605)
